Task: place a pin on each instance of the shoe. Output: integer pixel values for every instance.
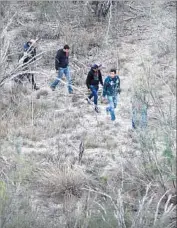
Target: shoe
(88, 100)
(36, 88)
(96, 109)
(70, 92)
(52, 88)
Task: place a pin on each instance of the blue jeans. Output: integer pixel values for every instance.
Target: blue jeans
(139, 120)
(94, 90)
(62, 71)
(112, 100)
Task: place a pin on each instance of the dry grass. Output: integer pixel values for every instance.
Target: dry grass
(63, 181)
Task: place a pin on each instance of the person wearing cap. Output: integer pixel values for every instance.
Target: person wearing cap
(62, 67)
(94, 77)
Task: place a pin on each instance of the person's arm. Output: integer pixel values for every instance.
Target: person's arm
(57, 60)
(100, 78)
(88, 80)
(119, 89)
(105, 88)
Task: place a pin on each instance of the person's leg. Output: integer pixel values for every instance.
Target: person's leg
(96, 99)
(18, 79)
(34, 86)
(110, 108)
(57, 80)
(95, 94)
(92, 94)
(28, 75)
(33, 82)
(144, 118)
(115, 100)
(68, 77)
(134, 119)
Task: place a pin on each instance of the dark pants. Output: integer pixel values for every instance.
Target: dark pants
(94, 90)
(32, 81)
(19, 79)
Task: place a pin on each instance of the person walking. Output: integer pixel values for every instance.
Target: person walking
(94, 77)
(62, 67)
(111, 88)
(28, 57)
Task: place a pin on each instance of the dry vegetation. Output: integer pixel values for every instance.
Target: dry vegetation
(61, 165)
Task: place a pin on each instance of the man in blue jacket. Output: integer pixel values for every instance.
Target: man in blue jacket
(27, 58)
(62, 67)
(111, 88)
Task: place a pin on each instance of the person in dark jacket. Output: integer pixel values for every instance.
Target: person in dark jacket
(62, 67)
(27, 58)
(94, 77)
(111, 88)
